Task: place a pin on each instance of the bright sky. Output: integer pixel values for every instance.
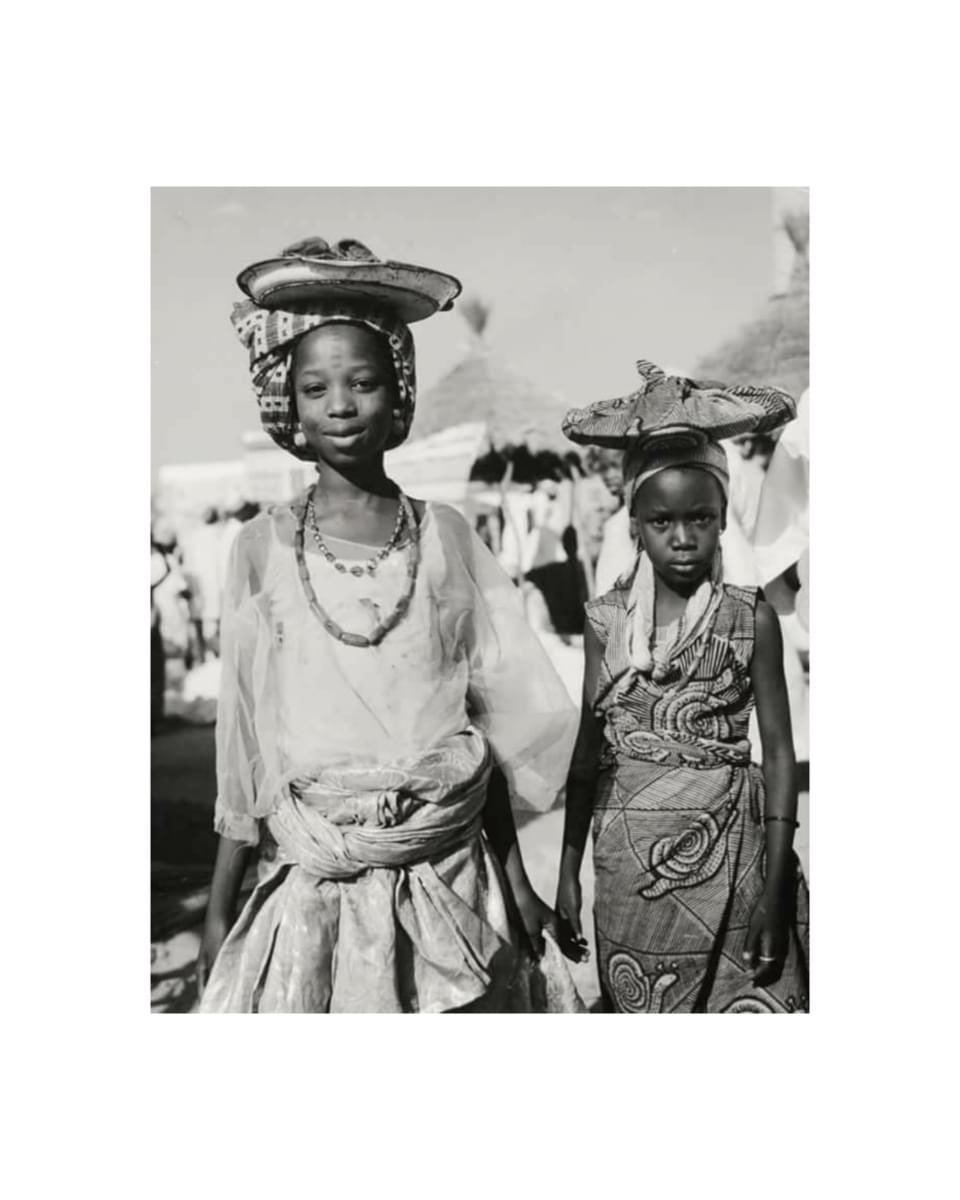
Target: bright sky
(581, 282)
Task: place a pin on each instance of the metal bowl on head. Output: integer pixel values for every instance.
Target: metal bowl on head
(299, 283)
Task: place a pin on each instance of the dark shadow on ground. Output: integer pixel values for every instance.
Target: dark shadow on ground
(174, 991)
(182, 841)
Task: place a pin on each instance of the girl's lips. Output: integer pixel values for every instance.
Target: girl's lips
(343, 435)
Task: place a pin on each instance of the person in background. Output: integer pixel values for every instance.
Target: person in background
(562, 588)
(747, 467)
(700, 903)
(227, 530)
(171, 594)
(782, 531)
(617, 549)
(202, 567)
(579, 531)
(516, 535)
(488, 527)
(159, 570)
(782, 548)
(548, 517)
(755, 447)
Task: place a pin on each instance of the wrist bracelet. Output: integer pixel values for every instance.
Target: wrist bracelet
(786, 820)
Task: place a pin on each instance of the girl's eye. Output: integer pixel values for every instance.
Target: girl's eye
(314, 389)
(659, 522)
(365, 385)
(703, 518)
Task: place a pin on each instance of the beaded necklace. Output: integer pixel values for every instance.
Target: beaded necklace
(357, 569)
(380, 631)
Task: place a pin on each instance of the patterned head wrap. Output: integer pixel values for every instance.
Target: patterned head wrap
(672, 448)
(271, 335)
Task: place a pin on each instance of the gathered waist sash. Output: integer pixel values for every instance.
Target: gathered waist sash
(340, 953)
(349, 820)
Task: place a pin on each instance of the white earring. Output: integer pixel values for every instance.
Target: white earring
(299, 438)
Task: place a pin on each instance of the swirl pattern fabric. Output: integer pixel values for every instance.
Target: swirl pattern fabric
(678, 835)
(668, 402)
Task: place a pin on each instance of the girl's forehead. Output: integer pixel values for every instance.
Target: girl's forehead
(339, 341)
(680, 486)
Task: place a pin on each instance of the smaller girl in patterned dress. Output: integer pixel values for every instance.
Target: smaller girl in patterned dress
(700, 904)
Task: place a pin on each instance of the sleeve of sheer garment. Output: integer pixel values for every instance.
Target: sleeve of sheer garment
(516, 697)
(239, 761)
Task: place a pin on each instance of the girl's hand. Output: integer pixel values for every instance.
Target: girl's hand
(215, 931)
(569, 902)
(767, 937)
(535, 916)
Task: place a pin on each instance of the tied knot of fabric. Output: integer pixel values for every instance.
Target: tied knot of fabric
(383, 808)
(656, 661)
(334, 831)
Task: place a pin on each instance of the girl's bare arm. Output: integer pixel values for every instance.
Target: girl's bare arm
(779, 763)
(581, 787)
(228, 872)
(582, 777)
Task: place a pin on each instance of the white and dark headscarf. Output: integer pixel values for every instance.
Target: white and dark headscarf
(315, 283)
(271, 336)
(668, 448)
(672, 422)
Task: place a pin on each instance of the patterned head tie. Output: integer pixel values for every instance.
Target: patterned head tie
(325, 285)
(666, 402)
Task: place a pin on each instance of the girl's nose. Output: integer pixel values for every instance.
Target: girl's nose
(340, 401)
(681, 535)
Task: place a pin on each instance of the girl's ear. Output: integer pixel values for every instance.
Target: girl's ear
(723, 518)
(635, 531)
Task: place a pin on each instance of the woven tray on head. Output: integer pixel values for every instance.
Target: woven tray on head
(671, 402)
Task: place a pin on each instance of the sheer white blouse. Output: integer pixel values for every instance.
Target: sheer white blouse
(294, 699)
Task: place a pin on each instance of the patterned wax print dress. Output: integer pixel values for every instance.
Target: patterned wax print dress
(678, 831)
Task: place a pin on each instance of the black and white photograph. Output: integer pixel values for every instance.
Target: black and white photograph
(459, 360)
(479, 600)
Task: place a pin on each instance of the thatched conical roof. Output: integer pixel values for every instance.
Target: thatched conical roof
(774, 348)
(482, 388)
